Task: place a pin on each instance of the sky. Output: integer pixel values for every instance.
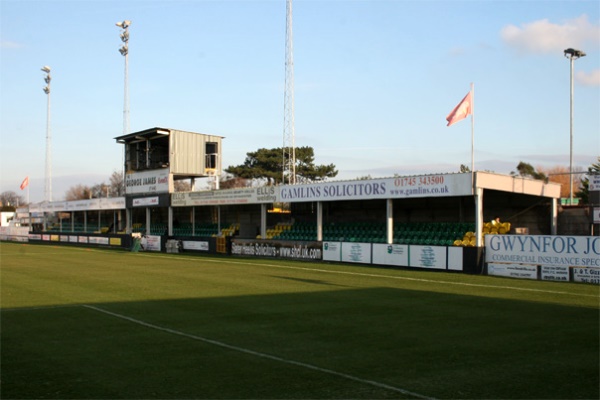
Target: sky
(373, 83)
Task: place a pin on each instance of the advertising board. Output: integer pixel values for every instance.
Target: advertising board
(455, 258)
(387, 188)
(195, 245)
(390, 254)
(266, 194)
(574, 251)
(356, 252)
(587, 275)
(555, 273)
(433, 257)
(154, 181)
(513, 270)
(332, 251)
(295, 250)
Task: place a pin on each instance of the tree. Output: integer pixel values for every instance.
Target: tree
(117, 189)
(229, 181)
(11, 199)
(464, 168)
(526, 170)
(78, 192)
(562, 176)
(182, 185)
(267, 164)
(584, 189)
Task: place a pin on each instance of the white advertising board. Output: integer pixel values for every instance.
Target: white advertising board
(555, 273)
(356, 252)
(332, 251)
(145, 201)
(150, 243)
(103, 203)
(98, 240)
(513, 270)
(574, 251)
(428, 257)
(192, 245)
(455, 258)
(389, 188)
(587, 275)
(390, 254)
(155, 181)
(266, 194)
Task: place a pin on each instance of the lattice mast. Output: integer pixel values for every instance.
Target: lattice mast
(289, 145)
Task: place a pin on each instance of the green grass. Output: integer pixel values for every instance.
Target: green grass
(82, 323)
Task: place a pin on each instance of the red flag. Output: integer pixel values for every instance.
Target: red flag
(25, 183)
(461, 111)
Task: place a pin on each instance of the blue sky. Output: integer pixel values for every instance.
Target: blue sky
(374, 81)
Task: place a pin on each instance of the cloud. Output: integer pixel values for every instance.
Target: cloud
(542, 37)
(588, 78)
(7, 44)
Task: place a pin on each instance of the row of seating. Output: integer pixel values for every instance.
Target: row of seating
(432, 233)
(76, 227)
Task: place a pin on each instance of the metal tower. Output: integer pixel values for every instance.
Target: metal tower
(289, 145)
(124, 50)
(48, 172)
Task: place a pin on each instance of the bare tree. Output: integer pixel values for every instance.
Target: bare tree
(78, 192)
(182, 185)
(117, 188)
(562, 175)
(11, 199)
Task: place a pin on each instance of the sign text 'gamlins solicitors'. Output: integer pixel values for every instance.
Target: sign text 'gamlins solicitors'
(155, 181)
(387, 188)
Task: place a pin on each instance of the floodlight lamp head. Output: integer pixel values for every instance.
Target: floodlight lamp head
(48, 79)
(46, 69)
(46, 90)
(125, 24)
(124, 50)
(125, 36)
(574, 54)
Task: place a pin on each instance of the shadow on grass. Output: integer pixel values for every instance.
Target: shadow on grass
(433, 344)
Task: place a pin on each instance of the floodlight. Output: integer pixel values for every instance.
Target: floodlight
(46, 89)
(125, 24)
(573, 53)
(46, 69)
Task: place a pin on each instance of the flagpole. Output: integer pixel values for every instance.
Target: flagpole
(472, 127)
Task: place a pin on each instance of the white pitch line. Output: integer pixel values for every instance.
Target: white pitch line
(259, 354)
(383, 276)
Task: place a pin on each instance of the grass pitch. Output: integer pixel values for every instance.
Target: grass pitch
(97, 324)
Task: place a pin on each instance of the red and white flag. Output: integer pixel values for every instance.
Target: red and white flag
(461, 111)
(25, 183)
